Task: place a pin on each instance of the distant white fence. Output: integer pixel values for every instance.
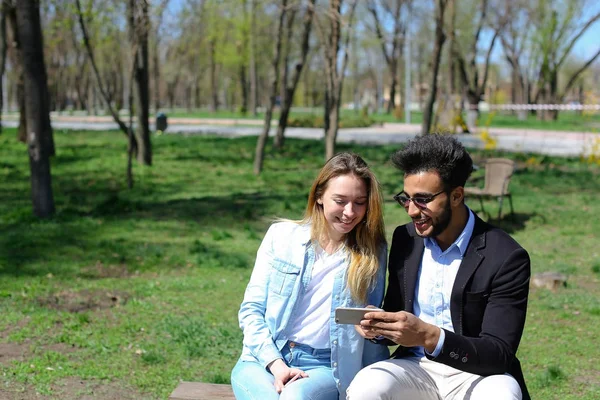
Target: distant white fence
(519, 107)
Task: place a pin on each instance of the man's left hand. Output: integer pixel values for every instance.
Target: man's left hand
(402, 328)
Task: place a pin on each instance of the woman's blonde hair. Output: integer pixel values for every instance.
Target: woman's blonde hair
(365, 241)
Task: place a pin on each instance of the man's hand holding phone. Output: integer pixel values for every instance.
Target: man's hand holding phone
(354, 316)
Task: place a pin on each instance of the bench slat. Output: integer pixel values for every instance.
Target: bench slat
(202, 391)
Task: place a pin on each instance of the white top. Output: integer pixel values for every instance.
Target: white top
(310, 323)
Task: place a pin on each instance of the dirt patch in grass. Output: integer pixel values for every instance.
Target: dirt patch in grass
(72, 388)
(589, 284)
(589, 378)
(100, 270)
(15, 327)
(11, 352)
(84, 300)
(61, 348)
(22, 351)
(75, 388)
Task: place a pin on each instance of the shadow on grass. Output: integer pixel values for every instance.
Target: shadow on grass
(36, 248)
(33, 241)
(208, 210)
(512, 223)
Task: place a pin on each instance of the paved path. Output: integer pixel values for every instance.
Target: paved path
(523, 140)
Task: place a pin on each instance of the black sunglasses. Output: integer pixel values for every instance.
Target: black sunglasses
(419, 201)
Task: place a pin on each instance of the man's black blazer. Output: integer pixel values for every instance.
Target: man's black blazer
(488, 300)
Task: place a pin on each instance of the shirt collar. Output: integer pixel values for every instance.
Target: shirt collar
(462, 241)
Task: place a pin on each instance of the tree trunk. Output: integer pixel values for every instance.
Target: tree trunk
(17, 64)
(420, 79)
(188, 98)
(332, 47)
(552, 115)
(580, 97)
(331, 134)
(335, 77)
(452, 50)
(262, 139)
(22, 130)
(156, 75)
(253, 69)
(548, 94)
(393, 83)
(119, 87)
(291, 88)
(286, 46)
(2, 57)
(138, 25)
(244, 89)
(469, 70)
(440, 37)
(197, 92)
(326, 108)
(305, 88)
(100, 86)
(81, 88)
(391, 53)
(172, 91)
(283, 118)
(39, 132)
(213, 78)
(473, 100)
(156, 54)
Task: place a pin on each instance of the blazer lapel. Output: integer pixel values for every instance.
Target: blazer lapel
(471, 261)
(411, 269)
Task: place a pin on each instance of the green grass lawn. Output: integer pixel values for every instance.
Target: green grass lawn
(141, 287)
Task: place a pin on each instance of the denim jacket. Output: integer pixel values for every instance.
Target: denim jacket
(283, 266)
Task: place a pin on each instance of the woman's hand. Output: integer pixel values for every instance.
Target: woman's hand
(364, 329)
(283, 373)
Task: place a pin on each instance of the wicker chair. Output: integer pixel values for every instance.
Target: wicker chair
(498, 172)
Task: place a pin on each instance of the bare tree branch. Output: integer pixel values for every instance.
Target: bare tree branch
(578, 72)
(487, 63)
(90, 52)
(575, 38)
(379, 32)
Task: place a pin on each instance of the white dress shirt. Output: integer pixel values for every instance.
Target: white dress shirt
(437, 273)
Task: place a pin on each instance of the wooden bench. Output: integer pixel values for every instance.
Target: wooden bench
(202, 391)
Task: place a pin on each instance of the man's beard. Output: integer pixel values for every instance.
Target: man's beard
(440, 223)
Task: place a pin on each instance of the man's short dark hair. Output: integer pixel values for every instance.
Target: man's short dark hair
(443, 154)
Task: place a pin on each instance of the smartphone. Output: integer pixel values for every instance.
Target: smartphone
(352, 316)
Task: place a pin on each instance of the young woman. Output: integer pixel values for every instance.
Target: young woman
(334, 257)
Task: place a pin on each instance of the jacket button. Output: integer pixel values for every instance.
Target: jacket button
(335, 342)
(292, 344)
(335, 364)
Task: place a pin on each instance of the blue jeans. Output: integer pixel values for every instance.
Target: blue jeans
(251, 381)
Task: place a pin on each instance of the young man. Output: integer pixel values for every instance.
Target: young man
(457, 293)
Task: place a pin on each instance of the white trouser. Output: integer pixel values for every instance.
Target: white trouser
(422, 379)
